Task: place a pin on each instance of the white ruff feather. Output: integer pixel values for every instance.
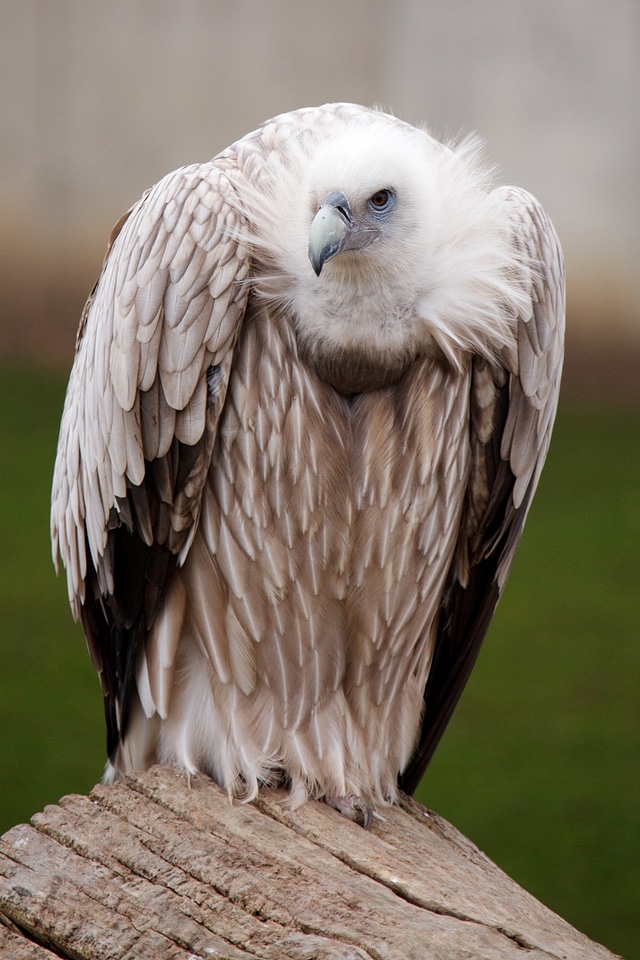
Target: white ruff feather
(443, 279)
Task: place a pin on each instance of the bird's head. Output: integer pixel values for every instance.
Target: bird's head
(389, 246)
(370, 200)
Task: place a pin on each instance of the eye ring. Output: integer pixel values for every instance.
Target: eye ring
(381, 200)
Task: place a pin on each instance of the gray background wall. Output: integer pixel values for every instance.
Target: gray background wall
(99, 100)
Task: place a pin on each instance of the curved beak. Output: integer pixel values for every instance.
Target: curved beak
(330, 230)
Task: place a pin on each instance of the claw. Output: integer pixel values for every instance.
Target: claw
(358, 809)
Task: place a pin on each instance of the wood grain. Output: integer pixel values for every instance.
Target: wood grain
(156, 867)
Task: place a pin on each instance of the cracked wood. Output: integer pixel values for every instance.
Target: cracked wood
(155, 867)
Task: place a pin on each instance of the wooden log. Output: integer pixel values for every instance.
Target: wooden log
(157, 867)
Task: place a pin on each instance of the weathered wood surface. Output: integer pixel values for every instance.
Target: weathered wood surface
(158, 868)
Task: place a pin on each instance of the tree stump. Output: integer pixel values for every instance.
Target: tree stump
(157, 868)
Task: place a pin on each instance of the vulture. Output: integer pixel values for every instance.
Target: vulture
(313, 391)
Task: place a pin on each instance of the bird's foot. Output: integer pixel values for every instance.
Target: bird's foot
(358, 809)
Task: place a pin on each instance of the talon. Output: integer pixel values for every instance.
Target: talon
(358, 809)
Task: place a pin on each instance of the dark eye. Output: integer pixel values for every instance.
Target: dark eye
(381, 200)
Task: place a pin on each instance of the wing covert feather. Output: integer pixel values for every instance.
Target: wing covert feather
(512, 413)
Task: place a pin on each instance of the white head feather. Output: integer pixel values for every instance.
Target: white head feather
(444, 277)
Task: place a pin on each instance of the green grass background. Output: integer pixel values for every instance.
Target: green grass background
(540, 764)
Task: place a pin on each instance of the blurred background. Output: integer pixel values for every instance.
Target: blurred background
(540, 766)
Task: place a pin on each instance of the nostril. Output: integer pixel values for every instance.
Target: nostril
(339, 202)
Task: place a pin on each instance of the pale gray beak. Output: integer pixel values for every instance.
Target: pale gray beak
(330, 230)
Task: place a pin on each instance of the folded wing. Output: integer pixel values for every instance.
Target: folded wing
(154, 351)
(512, 412)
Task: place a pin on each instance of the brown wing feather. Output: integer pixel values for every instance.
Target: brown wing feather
(154, 350)
(512, 415)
